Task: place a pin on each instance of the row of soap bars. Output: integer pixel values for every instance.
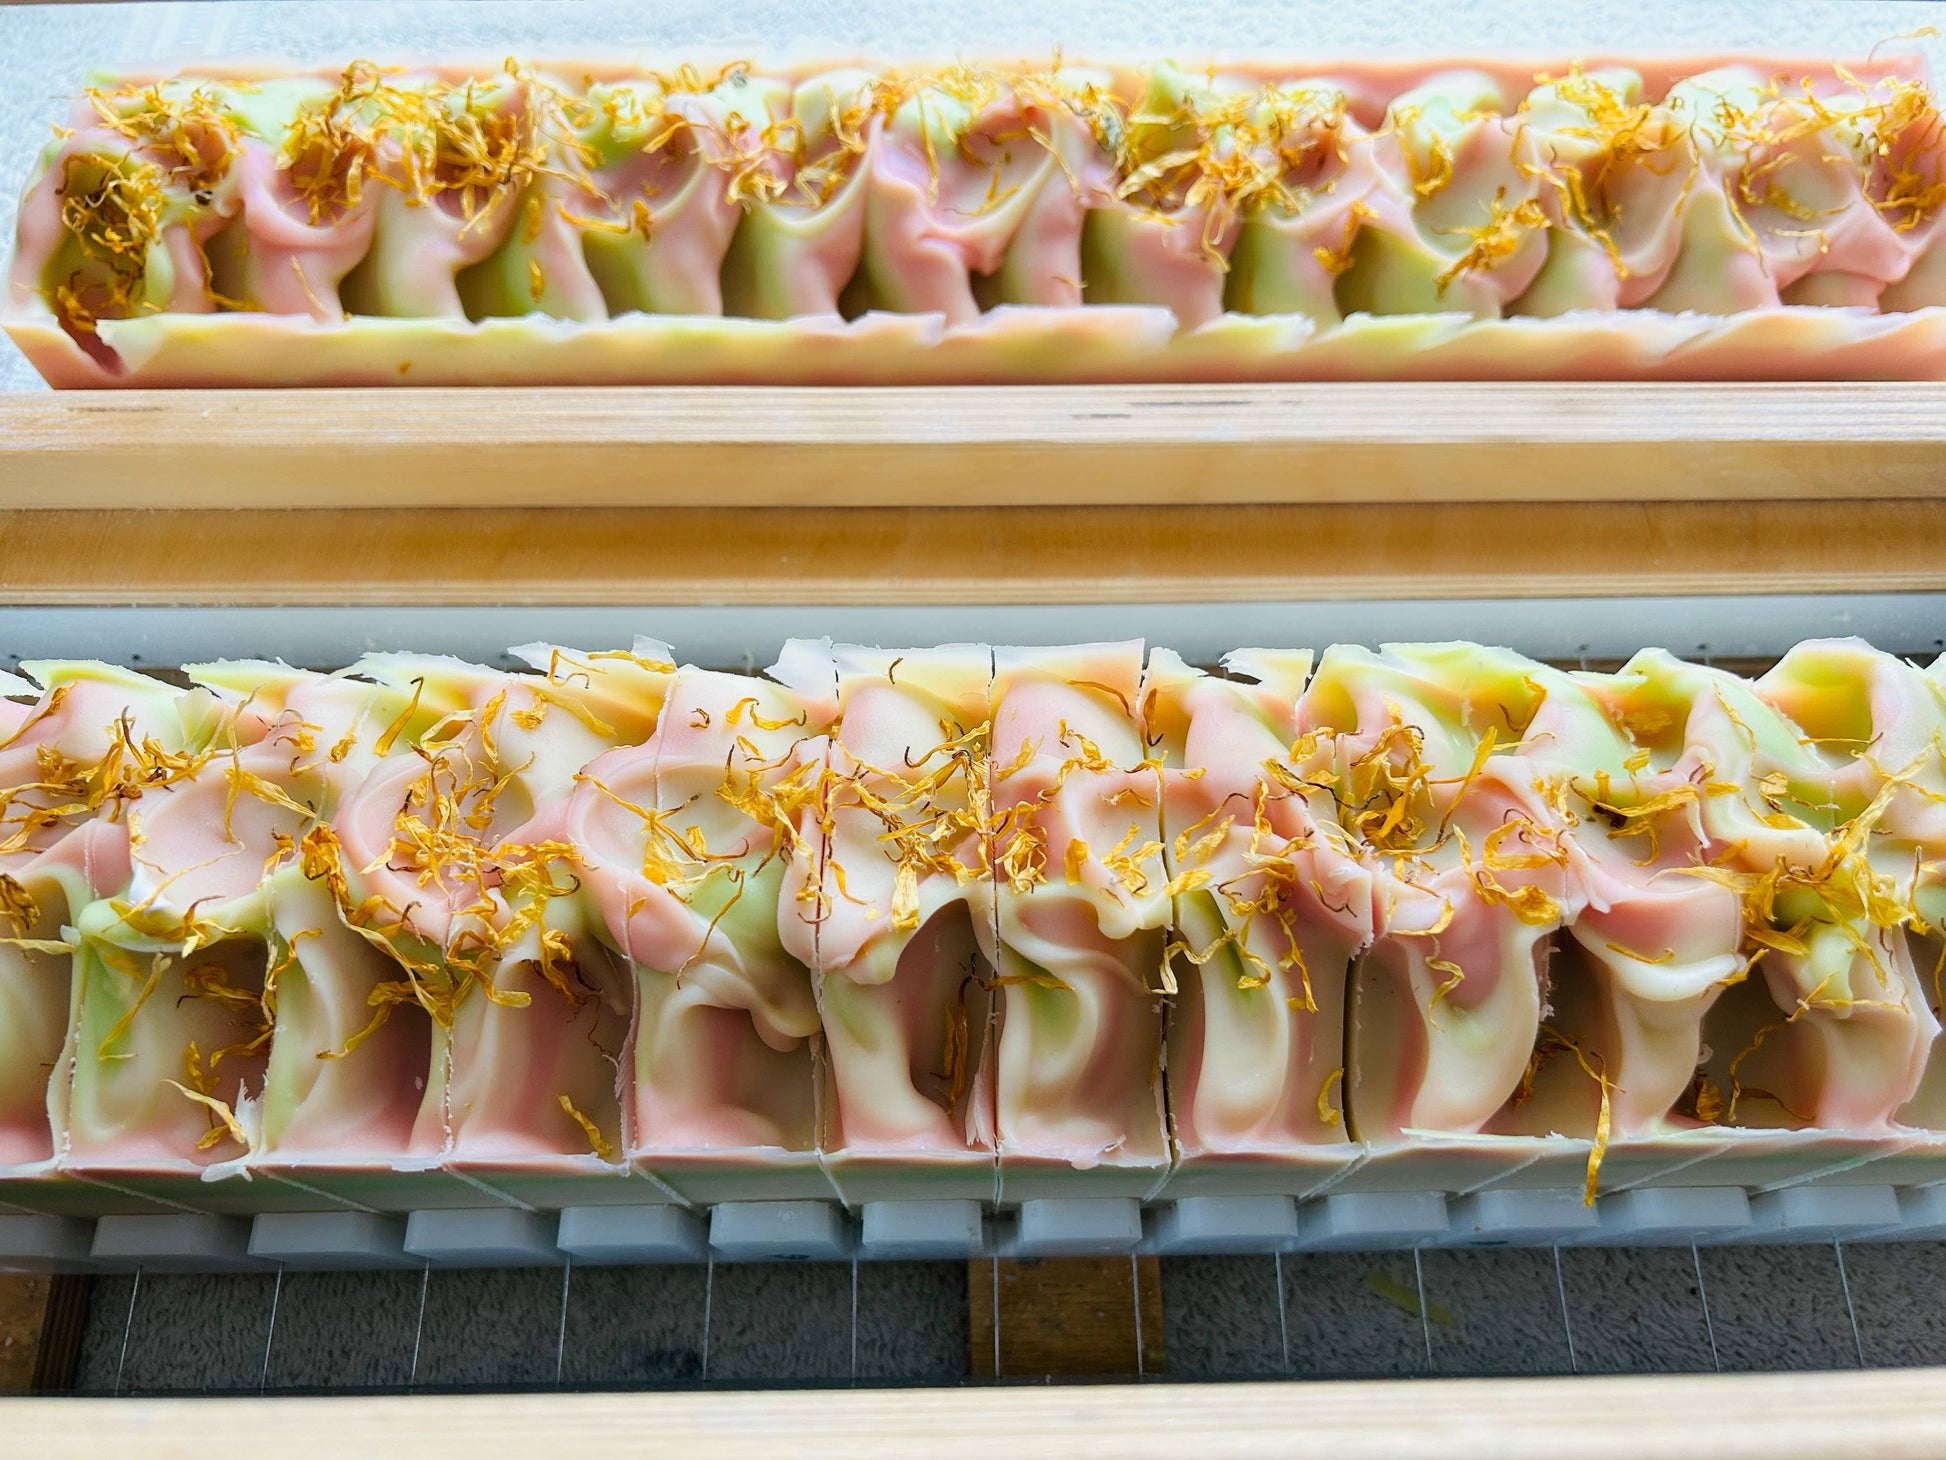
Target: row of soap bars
(1093, 919)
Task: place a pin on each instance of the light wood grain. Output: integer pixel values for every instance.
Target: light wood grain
(41, 1318)
(23, 1315)
(972, 446)
(1869, 1416)
(968, 555)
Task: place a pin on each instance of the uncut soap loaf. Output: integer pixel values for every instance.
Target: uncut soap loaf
(979, 221)
(989, 923)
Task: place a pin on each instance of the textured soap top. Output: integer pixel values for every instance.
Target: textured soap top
(1120, 208)
(1082, 913)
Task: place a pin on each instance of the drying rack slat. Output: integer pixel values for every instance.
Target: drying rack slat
(972, 446)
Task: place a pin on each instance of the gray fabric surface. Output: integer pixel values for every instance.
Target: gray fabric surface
(98, 1365)
(191, 1332)
(1343, 1314)
(1503, 1310)
(912, 1323)
(492, 1326)
(780, 1323)
(47, 50)
(1898, 1290)
(1223, 1318)
(1352, 1313)
(345, 1330)
(635, 1325)
(1778, 1308)
(1635, 1310)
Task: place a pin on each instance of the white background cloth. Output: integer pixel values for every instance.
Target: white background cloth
(48, 51)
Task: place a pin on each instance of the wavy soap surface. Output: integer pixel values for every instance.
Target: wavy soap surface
(968, 921)
(577, 223)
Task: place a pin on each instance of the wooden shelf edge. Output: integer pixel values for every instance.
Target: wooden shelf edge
(870, 556)
(972, 446)
(1762, 1417)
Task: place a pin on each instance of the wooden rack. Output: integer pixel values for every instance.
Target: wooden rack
(979, 446)
(1137, 493)
(1004, 495)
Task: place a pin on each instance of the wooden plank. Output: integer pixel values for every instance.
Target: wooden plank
(23, 1313)
(968, 555)
(41, 1318)
(972, 446)
(1064, 1316)
(1870, 1416)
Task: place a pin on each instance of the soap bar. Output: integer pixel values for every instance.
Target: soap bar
(1082, 902)
(1270, 907)
(557, 222)
(904, 938)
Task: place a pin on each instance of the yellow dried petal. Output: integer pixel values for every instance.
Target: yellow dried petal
(599, 1143)
(17, 905)
(1327, 1111)
(229, 1125)
(1075, 860)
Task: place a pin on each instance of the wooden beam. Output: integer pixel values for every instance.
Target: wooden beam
(968, 555)
(823, 447)
(23, 1312)
(1873, 1415)
(1082, 1317)
(41, 1318)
